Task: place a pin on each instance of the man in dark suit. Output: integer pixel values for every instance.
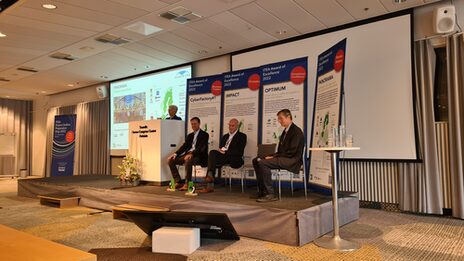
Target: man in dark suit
(288, 156)
(172, 110)
(194, 151)
(230, 152)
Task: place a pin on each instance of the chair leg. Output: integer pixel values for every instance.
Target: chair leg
(280, 189)
(291, 182)
(230, 182)
(305, 186)
(243, 177)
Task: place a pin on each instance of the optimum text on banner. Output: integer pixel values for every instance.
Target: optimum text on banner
(64, 136)
(284, 87)
(241, 101)
(327, 110)
(204, 102)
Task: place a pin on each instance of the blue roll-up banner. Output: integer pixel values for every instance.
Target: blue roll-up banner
(241, 101)
(204, 101)
(64, 136)
(327, 110)
(284, 87)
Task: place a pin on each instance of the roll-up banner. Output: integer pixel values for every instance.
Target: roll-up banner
(241, 101)
(204, 102)
(64, 134)
(284, 87)
(327, 110)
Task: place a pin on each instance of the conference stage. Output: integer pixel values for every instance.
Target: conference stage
(292, 221)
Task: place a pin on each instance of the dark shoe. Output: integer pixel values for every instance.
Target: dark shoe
(184, 187)
(206, 190)
(267, 198)
(179, 185)
(209, 179)
(257, 195)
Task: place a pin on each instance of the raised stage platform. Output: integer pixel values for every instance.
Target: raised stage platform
(292, 221)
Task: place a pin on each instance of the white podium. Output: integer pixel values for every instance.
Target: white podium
(152, 142)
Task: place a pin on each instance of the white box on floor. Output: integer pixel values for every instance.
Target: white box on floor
(175, 240)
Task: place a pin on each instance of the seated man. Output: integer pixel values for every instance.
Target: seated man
(288, 156)
(194, 151)
(230, 152)
(172, 110)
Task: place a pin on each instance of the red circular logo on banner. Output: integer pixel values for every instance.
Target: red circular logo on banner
(69, 136)
(254, 82)
(339, 59)
(298, 75)
(216, 88)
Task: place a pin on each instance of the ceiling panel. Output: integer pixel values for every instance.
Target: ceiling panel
(264, 20)
(211, 7)
(329, 12)
(146, 61)
(79, 12)
(202, 39)
(221, 33)
(42, 15)
(362, 9)
(292, 14)
(30, 42)
(390, 6)
(169, 48)
(148, 5)
(182, 43)
(107, 7)
(138, 47)
(242, 27)
(39, 25)
(12, 30)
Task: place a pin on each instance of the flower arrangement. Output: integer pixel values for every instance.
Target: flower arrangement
(129, 170)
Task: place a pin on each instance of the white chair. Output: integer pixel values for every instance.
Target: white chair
(227, 168)
(279, 175)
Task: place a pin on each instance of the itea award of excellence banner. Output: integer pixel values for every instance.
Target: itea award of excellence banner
(241, 101)
(329, 90)
(64, 136)
(204, 102)
(284, 87)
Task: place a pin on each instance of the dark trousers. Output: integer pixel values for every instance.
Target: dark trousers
(263, 173)
(187, 165)
(216, 159)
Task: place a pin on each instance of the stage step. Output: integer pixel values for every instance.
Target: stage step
(118, 209)
(59, 200)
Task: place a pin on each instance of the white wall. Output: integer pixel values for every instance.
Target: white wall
(216, 65)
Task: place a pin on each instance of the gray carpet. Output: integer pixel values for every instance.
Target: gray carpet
(384, 235)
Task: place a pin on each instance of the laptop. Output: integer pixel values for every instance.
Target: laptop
(266, 150)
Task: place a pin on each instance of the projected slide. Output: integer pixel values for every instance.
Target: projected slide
(143, 98)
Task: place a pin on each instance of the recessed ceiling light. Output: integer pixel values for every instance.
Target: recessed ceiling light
(281, 32)
(2, 34)
(70, 85)
(43, 92)
(8, 96)
(49, 6)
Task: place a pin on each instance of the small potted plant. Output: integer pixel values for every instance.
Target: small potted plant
(129, 171)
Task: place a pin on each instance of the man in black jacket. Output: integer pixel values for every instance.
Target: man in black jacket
(288, 156)
(194, 151)
(172, 110)
(230, 152)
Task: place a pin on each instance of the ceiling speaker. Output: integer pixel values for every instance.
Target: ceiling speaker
(444, 19)
(102, 92)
